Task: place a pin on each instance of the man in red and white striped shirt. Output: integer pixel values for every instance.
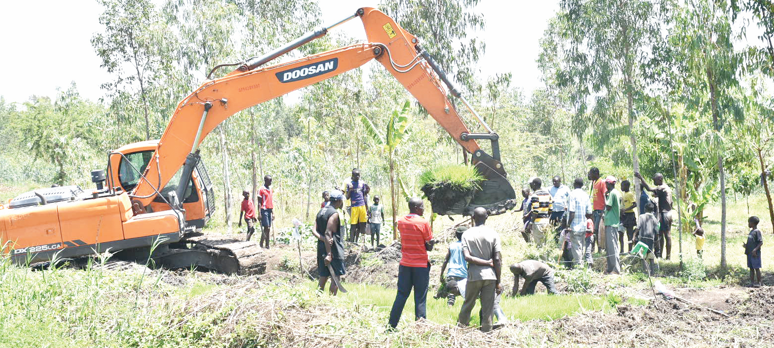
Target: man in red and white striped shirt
(416, 239)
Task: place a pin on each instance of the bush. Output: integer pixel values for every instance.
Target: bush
(693, 270)
(579, 279)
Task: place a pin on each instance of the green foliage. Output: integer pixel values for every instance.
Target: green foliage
(452, 176)
(521, 308)
(579, 280)
(445, 29)
(398, 129)
(693, 270)
(63, 133)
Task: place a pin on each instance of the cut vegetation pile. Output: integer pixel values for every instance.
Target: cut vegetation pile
(450, 188)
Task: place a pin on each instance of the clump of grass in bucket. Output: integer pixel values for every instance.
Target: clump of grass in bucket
(454, 177)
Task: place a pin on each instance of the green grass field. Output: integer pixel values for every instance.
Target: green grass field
(536, 307)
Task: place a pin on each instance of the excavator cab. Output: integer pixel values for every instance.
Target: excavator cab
(129, 162)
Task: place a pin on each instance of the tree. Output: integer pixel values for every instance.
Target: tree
(205, 37)
(757, 135)
(63, 133)
(445, 26)
(605, 45)
(266, 25)
(708, 64)
(761, 58)
(130, 41)
(397, 131)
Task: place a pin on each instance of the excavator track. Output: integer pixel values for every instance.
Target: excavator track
(215, 252)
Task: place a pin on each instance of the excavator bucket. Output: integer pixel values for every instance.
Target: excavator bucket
(495, 194)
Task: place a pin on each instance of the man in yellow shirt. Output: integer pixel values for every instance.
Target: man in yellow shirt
(628, 216)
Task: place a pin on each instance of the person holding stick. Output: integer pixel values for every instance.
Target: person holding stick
(330, 245)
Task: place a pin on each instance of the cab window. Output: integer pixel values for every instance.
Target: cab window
(128, 177)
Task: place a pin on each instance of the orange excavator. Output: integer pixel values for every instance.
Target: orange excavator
(144, 220)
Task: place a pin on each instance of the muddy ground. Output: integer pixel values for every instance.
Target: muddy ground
(723, 316)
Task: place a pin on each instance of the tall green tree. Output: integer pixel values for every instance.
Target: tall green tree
(762, 11)
(756, 136)
(64, 132)
(205, 35)
(446, 28)
(265, 25)
(605, 44)
(708, 65)
(128, 49)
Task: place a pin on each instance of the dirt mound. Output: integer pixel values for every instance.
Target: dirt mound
(756, 303)
(380, 267)
(676, 324)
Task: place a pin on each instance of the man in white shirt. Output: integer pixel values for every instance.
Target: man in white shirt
(579, 208)
(560, 194)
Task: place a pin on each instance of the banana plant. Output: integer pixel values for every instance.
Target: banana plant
(398, 130)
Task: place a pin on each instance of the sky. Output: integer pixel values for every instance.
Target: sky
(47, 45)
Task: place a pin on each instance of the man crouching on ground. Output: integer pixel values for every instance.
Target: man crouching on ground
(330, 246)
(481, 247)
(533, 272)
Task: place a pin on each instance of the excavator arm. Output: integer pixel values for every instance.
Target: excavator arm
(253, 83)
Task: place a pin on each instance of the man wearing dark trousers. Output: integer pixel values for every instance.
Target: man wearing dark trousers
(249, 210)
(414, 271)
(481, 247)
(266, 202)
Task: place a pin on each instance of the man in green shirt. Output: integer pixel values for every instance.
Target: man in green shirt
(612, 219)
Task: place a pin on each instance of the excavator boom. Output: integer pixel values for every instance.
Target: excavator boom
(253, 83)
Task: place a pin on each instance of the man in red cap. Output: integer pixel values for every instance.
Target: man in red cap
(612, 219)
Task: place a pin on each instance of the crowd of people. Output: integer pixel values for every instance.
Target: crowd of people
(581, 222)
(601, 219)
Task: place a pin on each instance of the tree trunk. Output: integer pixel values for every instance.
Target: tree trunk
(765, 180)
(723, 264)
(226, 179)
(142, 95)
(309, 169)
(632, 138)
(253, 146)
(392, 196)
(716, 123)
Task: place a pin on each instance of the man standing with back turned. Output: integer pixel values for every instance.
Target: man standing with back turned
(416, 239)
(481, 247)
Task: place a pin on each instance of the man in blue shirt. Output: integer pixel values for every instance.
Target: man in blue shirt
(458, 268)
(644, 199)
